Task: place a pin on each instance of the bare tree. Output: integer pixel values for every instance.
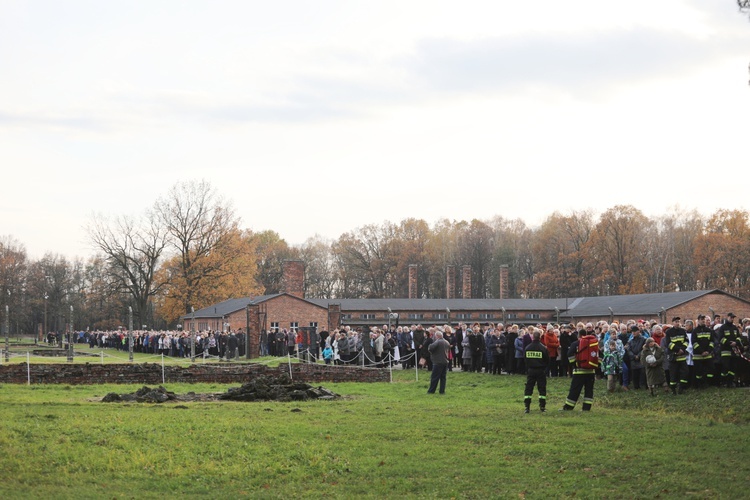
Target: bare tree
(320, 275)
(132, 249)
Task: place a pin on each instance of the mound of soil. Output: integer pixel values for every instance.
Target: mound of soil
(261, 388)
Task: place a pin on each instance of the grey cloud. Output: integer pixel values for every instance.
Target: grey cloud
(571, 63)
(293, 112)
(72, 122)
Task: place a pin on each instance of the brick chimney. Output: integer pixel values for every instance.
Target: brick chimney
(466, 277)
(450, 283)
(413, 290)
(504, 281)
(293, 278)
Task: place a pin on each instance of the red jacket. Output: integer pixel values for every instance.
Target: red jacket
(551, 342)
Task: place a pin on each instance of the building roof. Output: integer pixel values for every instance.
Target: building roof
(631, 305)
(228, 306)
(440, 305)
(645, 304)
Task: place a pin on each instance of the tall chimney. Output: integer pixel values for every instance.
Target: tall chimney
(504, 281)
(293, 278)
(413, 291)
(450, 283)
(466, 276)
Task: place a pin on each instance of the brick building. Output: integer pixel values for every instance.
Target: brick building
(291, 310)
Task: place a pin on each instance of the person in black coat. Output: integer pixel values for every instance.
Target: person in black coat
(537, 361)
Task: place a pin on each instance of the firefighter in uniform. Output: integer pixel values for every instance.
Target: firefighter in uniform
(729, 338)
(677, 345)
(583, 378)
(537, 361)
(703, 350)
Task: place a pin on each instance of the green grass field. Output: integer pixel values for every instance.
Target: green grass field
(379, 440)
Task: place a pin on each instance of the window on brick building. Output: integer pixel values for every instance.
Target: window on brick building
(486, 316)
(274, 326)
(416, 316)
(367, 316)
(533, 316)
(293, 326)
(463, 316)
(440, 316)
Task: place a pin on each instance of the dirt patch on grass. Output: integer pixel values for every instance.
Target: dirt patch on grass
(262, 388)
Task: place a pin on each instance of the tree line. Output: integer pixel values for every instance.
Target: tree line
(189, 250)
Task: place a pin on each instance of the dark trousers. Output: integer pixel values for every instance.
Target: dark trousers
(704, 371)
(678, 373)
(566, 368)
(554, 367)
(497, 363)
(535, 376)
(585, 382)
(636, 376)
(476, 361)
(520, 366)
(730, 367)
(438, 375)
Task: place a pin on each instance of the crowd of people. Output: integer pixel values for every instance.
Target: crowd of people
(634, 354)
(168, 343)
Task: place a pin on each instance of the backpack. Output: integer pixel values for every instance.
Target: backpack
(587, 356)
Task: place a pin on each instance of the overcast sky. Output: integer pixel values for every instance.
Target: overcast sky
(321, 117)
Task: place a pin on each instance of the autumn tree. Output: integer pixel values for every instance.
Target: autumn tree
(669, 252)
(512, 247)
(234, 261)
(439, 253)
(13, 265)
(618, 244)
(271, 251)
(366, 261)
(559, 247)
(475, 243)
(410, 241)
(722, 252)
(202, 231)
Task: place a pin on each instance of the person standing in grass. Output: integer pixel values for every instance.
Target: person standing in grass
(476, 341)
(466, 351)
(652, 357)
(729, 339)
(567, 337)
(438, 350)
(633, 347)
(551, 340)
(451, 339)
(519, 348)
(537, 361)
(677, 344)
(612, 364)
(703, 348)
(583, 378)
